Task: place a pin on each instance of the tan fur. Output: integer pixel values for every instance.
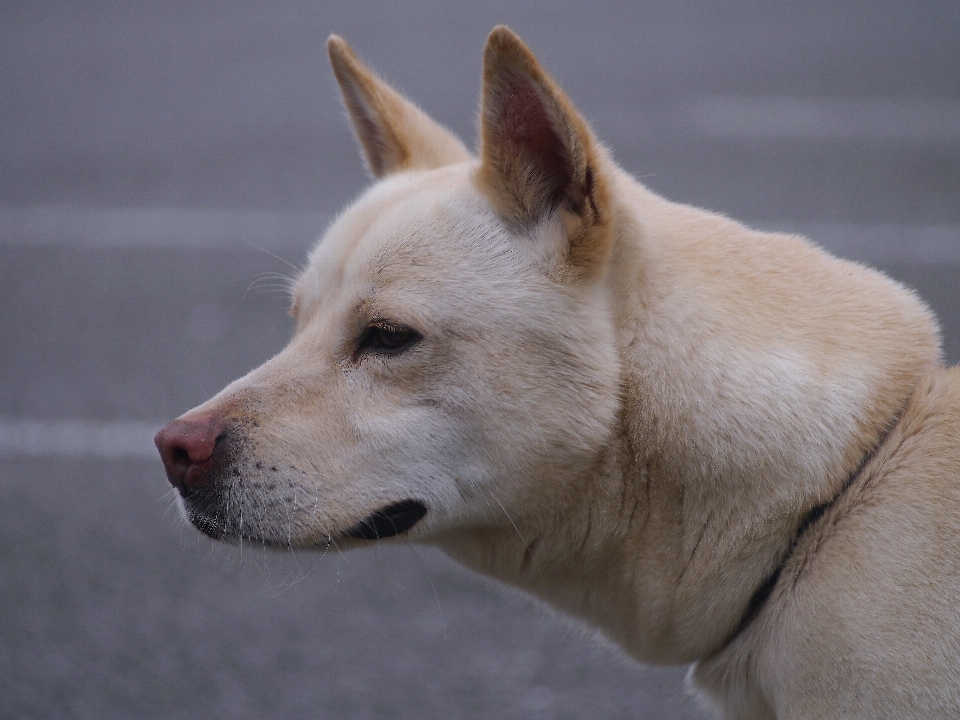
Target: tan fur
(623, 405)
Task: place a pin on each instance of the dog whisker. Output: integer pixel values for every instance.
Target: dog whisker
(512, 523)
(415, 550)
(296, 270)
(269, 282)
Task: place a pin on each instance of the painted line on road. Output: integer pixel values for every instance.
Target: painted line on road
(68, 226)
(145, 228)
(815, 118)
(78, 438)
(879, 243)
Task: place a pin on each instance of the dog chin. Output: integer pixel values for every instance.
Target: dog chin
(210, 525)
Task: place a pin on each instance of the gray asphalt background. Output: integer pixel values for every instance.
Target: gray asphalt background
(159, 160)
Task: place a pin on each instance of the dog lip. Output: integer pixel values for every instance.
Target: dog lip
(388, 521)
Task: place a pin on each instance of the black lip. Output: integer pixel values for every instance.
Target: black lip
(389, 521)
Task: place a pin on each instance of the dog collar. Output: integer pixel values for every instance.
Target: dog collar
(765, 589)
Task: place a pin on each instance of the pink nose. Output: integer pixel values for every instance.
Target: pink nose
(187, 448)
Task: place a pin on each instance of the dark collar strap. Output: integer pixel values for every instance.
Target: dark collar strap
(762, 593)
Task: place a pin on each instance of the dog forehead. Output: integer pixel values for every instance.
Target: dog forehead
(430, 226)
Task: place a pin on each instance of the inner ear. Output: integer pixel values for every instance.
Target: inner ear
(533, 148)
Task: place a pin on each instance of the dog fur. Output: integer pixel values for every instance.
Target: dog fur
(638, 411)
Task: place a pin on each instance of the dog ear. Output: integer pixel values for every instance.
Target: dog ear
(538, 155)
(394, 133)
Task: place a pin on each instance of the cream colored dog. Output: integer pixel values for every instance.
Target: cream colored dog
(716, 445)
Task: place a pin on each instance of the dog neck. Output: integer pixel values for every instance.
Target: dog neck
(668, 571)
(749, 397)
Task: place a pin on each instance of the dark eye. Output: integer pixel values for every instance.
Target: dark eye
(387, 338)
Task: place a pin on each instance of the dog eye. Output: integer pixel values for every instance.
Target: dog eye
(388, 339)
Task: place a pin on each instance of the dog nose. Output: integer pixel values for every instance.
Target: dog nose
(187, 449)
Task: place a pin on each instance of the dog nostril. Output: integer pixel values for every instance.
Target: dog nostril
(180, 457)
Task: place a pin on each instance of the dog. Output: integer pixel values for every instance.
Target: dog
(716, 445)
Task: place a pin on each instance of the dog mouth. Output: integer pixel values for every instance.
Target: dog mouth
(389, 521)
(205, 512)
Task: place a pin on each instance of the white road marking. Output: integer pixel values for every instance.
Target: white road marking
(99, 228)
(878, 243)
(812, 118)
(68, 226)
(78, 438)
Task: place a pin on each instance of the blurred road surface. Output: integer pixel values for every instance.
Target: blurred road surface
(163, 165)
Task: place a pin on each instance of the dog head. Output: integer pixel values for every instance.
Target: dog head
(454, 351)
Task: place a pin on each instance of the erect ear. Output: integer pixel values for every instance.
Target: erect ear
(394, 133)
(538, 154)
